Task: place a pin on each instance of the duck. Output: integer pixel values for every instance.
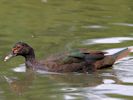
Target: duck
(78, 60)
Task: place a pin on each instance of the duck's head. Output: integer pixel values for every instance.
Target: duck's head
(20, 49)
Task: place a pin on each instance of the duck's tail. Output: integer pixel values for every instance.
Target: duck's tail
(121, 54)
(109, 60)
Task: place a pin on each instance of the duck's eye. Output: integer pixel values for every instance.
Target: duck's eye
(18, 47)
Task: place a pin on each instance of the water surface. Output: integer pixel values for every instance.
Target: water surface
(52, 26)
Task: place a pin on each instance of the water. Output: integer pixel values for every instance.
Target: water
(52, 26)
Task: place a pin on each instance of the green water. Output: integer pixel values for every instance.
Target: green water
(51, 26)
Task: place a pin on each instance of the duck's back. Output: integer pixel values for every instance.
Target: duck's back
(78, 60)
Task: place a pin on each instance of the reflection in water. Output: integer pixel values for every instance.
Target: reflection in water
(107, 40)
(77, 79)
(83, 85)
(72, 85)
(18, 86)
(124, 72)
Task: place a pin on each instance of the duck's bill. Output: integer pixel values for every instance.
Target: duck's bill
(9, 56)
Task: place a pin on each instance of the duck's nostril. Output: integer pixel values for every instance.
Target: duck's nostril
(15, 50)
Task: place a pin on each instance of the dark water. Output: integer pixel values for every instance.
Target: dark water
(52, 26)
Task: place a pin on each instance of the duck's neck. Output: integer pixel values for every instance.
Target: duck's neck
(30, 59)
(31, 62)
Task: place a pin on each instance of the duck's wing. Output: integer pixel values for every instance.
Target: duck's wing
(77, 56)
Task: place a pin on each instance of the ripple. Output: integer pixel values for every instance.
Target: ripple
(114, 89)
(20, 68)
(124, 70)
(87, 96)
(107, 40)
(115, 50)
(108, 81)
(46, 72)
(70, 89)
(68, 97)
(94, 26)
(124, 24)
(44, 1)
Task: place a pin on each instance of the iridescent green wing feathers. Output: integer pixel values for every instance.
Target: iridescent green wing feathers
(79, 55)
